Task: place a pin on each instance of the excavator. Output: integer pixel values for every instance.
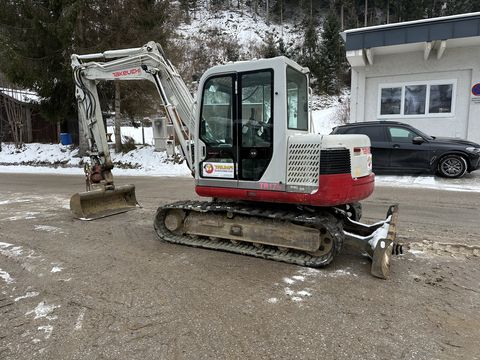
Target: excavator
(277, 189)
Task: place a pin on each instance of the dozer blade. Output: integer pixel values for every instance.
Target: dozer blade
(384, 248)
(377, 240)
(100, 203)
(381, 259)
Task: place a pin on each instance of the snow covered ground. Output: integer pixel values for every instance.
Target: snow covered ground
(324, 120)
(135, 133)
(470, 182)
(60, 159)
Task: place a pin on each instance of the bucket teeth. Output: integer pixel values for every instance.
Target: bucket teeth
(101, 203)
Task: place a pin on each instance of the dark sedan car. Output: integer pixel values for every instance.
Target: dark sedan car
(400, 148)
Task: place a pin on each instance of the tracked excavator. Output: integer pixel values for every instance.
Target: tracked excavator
(278, 190)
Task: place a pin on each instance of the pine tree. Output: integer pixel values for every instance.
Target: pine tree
(310, 49)
(270, 49)
(453, 7)
(37, 39)
(332, 61)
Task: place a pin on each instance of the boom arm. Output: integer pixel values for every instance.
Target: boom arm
(144, 63)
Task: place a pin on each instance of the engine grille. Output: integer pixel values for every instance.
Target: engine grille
(336, 161)
(303, 164)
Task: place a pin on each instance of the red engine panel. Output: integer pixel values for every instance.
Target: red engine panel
(333, 190)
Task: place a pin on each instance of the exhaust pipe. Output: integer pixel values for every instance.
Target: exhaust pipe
(100, 203)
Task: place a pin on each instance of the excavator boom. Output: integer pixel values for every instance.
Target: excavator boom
(102, 197)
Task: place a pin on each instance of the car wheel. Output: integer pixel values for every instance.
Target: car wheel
(452, 166)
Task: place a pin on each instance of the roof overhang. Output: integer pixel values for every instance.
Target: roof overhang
(412, 32)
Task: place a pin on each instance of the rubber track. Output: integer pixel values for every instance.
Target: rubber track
(298, 216)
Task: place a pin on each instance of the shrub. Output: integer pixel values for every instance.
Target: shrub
(128, 144)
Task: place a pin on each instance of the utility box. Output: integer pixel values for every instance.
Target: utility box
(163, 133)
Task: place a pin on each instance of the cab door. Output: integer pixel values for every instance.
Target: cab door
(236, 126)
(218, 116)
(255, 123)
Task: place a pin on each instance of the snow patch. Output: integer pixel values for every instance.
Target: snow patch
(22, 216)
(304, 293)
(48, 228)
(288, 280)
(299, 277)
(289, 291)
(29, 294)
(47, 329)
(79, 322)
(273, 300)
(416, 252)
(296, 299)
(6, 277)
(9, 250)
(14, 201)
(56, 269)
(43, 310)
(323, 121)
(468, 183)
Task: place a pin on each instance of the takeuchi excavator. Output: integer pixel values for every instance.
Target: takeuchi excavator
(278, 190)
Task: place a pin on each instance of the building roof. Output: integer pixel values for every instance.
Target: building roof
(425, 30)
(24, 96)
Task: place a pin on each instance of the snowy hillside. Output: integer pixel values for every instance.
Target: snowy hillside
(241, 26)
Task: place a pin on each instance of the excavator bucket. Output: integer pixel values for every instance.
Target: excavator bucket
(100, 203)
(377, 241)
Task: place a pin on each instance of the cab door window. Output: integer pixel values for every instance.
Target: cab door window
(217, 128)
(216, 124)
(255, 123)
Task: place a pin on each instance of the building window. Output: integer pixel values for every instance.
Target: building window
(441, 99)
(391, 101)
(419, 99)
(415, 98)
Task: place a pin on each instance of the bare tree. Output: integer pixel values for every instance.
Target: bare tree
(16, 116)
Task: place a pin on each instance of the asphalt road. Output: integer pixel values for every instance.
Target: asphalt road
(108, 289)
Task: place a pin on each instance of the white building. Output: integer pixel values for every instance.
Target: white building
(425, 73)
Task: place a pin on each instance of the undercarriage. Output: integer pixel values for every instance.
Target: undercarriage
(293, 234)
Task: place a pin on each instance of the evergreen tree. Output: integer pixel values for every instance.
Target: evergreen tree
(270, 49)
(453, 7)
(332, 62)
(37, 39)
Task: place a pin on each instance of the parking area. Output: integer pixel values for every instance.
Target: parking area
(108, 289)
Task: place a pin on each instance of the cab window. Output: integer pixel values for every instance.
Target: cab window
(297, 100)
(216, 124)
